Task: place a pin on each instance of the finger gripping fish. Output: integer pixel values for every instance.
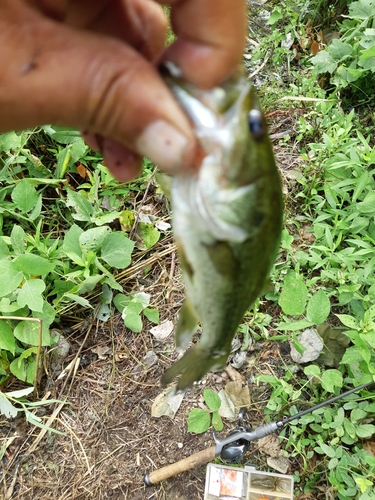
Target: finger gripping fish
(227, 220)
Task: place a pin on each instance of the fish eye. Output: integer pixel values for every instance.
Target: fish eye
(256, 124)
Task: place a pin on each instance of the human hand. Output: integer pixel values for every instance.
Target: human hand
(92, 65)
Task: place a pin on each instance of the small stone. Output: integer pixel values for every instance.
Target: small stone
(313, 344)
(180, 445)
(281, 464)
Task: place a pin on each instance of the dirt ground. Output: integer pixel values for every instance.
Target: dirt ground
(110, 439)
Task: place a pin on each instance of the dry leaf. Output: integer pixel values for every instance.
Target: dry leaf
(101, 350)
(167, 403)
(162, 331)
(82, 170)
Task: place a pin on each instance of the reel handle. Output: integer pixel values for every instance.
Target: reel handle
(202, 457)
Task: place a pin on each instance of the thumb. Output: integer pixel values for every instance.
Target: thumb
(58, 74)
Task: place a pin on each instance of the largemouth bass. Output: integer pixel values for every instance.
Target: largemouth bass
(227, 220)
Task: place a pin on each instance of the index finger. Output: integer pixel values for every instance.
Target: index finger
(210, 38)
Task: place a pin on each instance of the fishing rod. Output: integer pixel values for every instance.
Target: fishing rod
(235, 445)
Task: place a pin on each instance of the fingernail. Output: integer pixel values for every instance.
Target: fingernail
(164, 145)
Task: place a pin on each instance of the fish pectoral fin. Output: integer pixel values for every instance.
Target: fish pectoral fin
(186, 325)
(195, 363)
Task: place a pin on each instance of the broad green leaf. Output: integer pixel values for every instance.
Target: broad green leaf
(18, 240)
(7, 340)
(71, 240)
(142, 297)
(318, 307)
(35, 212)
(211, 399)
(92, 239)
(33, 265)
(365, 430)
(348, 321)
(134, 307)
(367, 206)
(362, 9)
(133, 321)
(217, 422)
(102, 218)
(151, 314)
(11, 277)
(28, 333)
(274, 17)
(324, 62)
(349, 428)
(369, 338)
(331, 379)
(148, 234)
(10, 141)
(293, 295)
(25, 196)
(198, 421)
(4, 250)
(117, 250)
(327, 450)
(121, 301)
(312, 370)
(31, 294)
(78, 149)
(24, 369)
(6, 407)
(340, 50)
(84, 209)
(357, 414)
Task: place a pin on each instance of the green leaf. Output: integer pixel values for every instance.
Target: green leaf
(151, 314)
(294, 326)
(362, 9)
(28, 333)
(293, 295)
(148, 234)
(25, 196)
(24, 368)
(11, 277)
(31, 294)
(10, 141)
(217, 422)
(7, 340)
(80, 300)
(367, 206)
(121, 301)
(92, 239)
(71, 240)
(312, 370)
(84, 209)
(133, 321)
(318, 307)
(365, 430)
(18, 240)
(211, 399)
(340, 50)
(142, 297)
(62, 134)
(6, 407)
(348, 321)
(349, 428)
(324, 62)
(327, 450)
(198, 421)
(117, 250)
(33, 265)
(274, 17)
(331, 379)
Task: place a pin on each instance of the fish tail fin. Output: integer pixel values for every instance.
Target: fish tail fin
(186, 326)
(195, 363)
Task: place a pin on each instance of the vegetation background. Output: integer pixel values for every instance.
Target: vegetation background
(76, 246)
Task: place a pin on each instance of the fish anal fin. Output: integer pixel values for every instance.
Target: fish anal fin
(195, 363)
(186, 325)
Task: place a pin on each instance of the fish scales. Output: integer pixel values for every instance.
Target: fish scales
(227, 220)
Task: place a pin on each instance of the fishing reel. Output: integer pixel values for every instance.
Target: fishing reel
(236, 446)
